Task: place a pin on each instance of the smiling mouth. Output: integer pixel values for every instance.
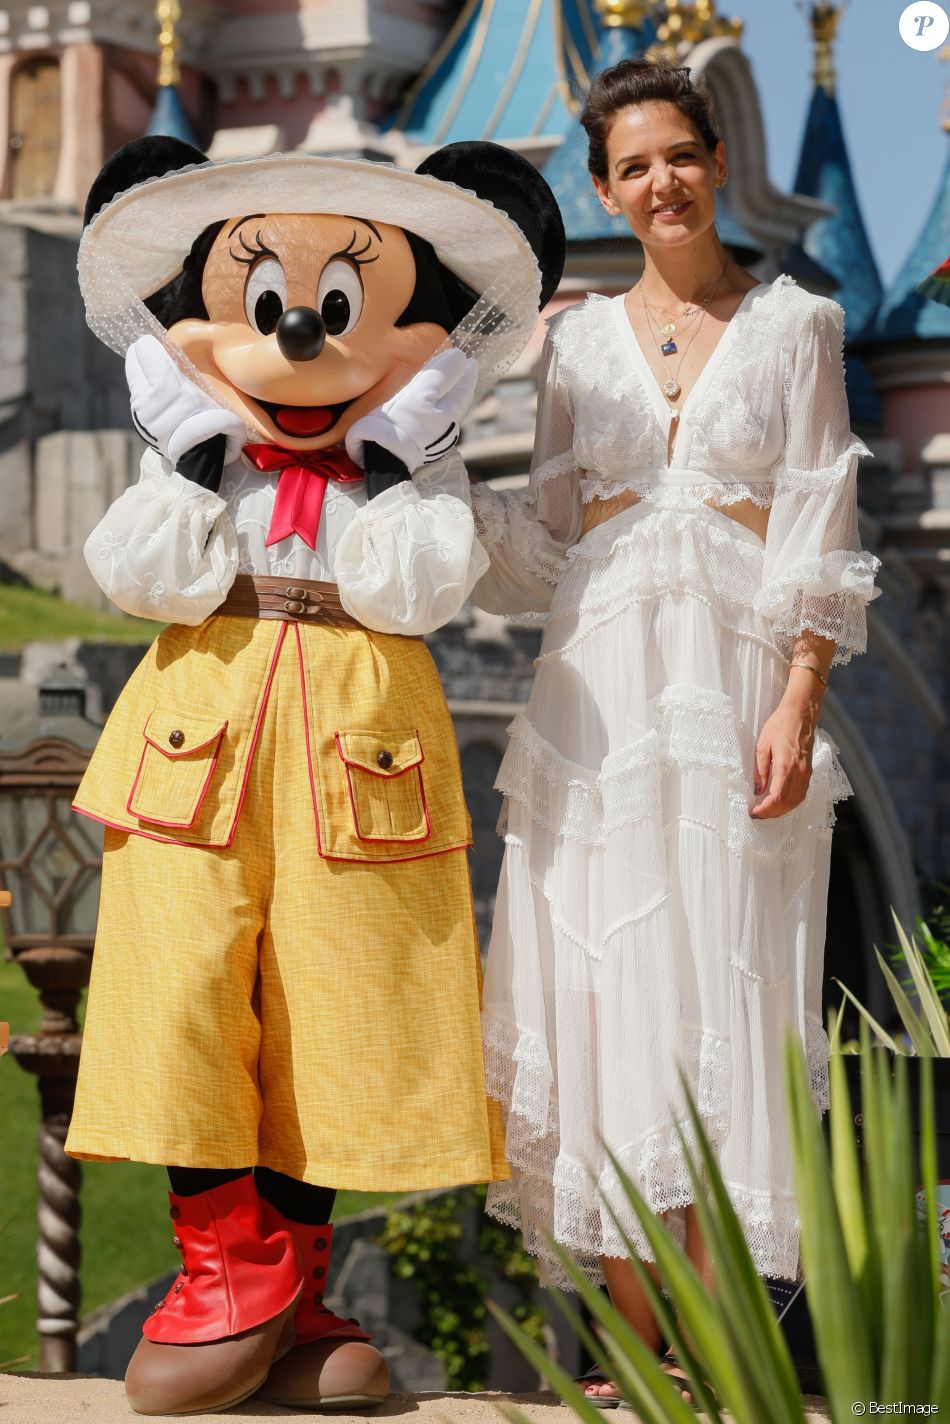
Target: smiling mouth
(673, 209)
(303, 421)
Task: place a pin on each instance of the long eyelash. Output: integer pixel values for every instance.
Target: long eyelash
(355, 254)
(261, 250)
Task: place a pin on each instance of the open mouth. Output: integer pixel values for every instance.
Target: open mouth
(304, 421)
(672, 210)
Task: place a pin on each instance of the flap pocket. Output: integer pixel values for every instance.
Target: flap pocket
(178, 760)
(384, 779)
(382, 753)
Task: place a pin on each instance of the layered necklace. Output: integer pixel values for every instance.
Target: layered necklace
(664, 331)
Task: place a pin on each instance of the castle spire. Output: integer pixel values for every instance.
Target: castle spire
(905, 314)
(824, 20)
(168, 116)
(838, 243)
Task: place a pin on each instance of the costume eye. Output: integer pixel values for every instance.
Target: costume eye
(340, 297)
(265, 295)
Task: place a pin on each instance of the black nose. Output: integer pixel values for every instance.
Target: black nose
(301, 332)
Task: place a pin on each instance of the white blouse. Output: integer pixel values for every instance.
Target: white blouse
(767, 421)
(405, 561)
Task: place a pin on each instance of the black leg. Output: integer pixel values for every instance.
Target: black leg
(192, 1181)
(297, 1201)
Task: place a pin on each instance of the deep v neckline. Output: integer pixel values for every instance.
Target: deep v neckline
(648, 378)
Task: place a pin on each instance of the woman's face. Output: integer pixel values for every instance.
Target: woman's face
(661, 176)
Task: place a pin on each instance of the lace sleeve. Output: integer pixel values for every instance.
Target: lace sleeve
(166, 548)
(816, 575)
(407, 561)
(528, 532)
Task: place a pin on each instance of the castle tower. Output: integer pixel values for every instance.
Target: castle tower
(168, 117)
(839, 242)
(908, 349)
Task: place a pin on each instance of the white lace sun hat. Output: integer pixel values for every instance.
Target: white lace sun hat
(139, 238)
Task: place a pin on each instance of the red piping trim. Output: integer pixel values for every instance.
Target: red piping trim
(158, 820)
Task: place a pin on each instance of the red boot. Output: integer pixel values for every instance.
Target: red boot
(332, 1366)
(229, 1314)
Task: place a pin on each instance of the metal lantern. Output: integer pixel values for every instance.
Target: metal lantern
(51, 861)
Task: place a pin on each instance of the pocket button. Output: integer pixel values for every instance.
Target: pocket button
(384, 759)
(176, 738)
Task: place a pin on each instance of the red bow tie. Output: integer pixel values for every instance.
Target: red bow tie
(301, 487)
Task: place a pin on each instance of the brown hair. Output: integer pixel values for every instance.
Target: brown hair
(643, 81)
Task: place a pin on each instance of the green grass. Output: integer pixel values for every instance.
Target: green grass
(29, 615)
(126, 1236)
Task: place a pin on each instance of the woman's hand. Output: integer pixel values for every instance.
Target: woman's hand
(783, 753)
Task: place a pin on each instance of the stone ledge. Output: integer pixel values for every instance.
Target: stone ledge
(69, 1399)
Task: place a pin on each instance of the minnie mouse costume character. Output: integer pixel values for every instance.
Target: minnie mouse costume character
(285, 990)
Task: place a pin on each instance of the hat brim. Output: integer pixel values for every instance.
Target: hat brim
(143, 236)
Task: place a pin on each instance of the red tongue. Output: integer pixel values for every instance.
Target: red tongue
(303, 420)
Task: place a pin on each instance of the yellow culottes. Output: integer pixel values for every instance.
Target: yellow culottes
(286, 969)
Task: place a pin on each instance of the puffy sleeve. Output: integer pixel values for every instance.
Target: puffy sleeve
(408, 559)
(166, 548)
(816, 576)
(528, 532)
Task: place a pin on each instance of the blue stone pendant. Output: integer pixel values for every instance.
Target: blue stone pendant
(669, 348)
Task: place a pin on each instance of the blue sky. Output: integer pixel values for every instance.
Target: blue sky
(889, 97)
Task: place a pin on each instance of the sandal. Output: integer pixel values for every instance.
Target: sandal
(668, 1363)
(598, 1375)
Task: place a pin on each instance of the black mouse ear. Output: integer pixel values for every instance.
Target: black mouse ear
(513, 184)
(133, 163)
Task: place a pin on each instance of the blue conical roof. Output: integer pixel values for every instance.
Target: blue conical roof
(169, 119)
(904, 314)
(838, 243)
(505, 71)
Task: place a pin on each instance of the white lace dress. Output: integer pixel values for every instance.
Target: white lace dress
(643, 920)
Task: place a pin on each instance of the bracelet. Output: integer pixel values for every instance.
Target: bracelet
(820, 675)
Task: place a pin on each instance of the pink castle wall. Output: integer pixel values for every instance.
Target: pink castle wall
(914, 415)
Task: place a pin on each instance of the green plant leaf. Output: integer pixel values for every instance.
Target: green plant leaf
(750, 1368)
(833, 1298)
(758, 1340)
(846, 1171)
(934, 1011)
(917, 1030)
(869, 1019)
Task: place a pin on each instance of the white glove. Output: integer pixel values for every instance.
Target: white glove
(422, 422)
(169, 411)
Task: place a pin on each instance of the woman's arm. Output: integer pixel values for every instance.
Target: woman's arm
(784, 750)
(817, 580)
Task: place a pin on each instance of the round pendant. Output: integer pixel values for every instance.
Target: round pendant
(671, 388)
(669, 328)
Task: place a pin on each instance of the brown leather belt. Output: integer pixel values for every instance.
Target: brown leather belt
(292, 600)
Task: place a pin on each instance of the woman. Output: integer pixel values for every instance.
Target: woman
(689, 534)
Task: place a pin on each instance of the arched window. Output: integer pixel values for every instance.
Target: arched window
(34, 128)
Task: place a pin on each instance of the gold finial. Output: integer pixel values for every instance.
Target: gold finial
(615, 13)
(824, 19)
(168, 13)
(689, 23)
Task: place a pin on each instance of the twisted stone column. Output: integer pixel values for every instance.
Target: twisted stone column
(53, 1056)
